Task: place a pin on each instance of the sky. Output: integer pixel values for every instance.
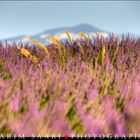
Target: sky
(32, 17)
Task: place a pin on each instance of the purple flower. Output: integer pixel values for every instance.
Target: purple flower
(44, 65)
(14, 105)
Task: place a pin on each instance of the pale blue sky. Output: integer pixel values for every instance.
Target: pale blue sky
(26, 18)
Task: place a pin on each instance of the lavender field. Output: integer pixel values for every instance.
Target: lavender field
(74, 87)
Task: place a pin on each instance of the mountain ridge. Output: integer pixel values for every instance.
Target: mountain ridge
(60, 33)
(84, 27)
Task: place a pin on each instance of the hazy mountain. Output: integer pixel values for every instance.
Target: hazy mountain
(14, 38)
(59, 33)
(86, 28)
